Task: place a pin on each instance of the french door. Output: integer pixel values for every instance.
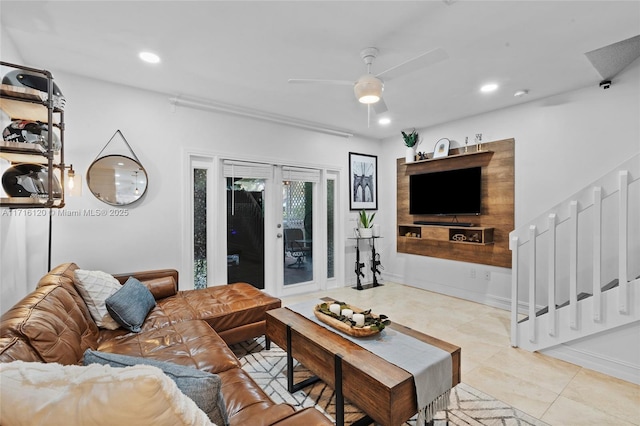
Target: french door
(277, 232)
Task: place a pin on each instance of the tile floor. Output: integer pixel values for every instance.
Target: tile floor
(554, 391)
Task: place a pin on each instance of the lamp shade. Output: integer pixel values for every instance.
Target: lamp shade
(368, 89)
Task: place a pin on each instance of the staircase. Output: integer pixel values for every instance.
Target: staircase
(576, 268)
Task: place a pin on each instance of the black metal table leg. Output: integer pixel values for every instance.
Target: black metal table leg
(337, 361)
(363, 421)
(295, 387)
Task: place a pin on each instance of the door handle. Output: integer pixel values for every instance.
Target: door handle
(279, 235)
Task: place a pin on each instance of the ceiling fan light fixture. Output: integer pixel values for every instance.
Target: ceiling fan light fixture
(368, 89)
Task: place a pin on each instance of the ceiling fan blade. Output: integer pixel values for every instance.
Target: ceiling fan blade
(320, 81)
(425, 59)
(380, 107)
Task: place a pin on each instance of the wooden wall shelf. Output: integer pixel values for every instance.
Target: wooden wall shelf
(450, 157)
(487, 242)
(478, 235)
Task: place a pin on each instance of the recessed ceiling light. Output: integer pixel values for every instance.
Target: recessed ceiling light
(384, 121)
(488, 87)
(521, 93)
(149, 57)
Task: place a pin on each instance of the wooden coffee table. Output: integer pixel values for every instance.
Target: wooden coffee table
(385, 392)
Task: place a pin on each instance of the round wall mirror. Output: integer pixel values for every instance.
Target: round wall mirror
(117, 180)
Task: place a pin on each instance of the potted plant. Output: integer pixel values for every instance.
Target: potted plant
(411, 140)
(365, 224)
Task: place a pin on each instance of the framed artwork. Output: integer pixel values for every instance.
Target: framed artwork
(363, 181)
(441, 149)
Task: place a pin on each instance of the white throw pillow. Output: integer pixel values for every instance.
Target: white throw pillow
(95, 287)
(33, 393)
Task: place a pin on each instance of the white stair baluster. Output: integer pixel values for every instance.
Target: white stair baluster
(573, 264)
(532, 283)
(597, 253)
(551, 316)
(623, 225)
(514, 291)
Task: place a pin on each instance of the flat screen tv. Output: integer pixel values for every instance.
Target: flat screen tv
(446, 193)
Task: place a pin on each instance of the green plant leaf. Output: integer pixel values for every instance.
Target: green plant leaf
(410, 139)
(366, 221)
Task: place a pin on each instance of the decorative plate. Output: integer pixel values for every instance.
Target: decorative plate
(442, 148)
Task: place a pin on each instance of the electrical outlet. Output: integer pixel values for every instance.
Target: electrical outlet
(487, 275)
(472, 273)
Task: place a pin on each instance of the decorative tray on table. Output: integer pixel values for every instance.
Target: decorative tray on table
(346, 323)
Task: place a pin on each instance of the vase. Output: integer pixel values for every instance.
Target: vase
(410, 154)
(365, 232)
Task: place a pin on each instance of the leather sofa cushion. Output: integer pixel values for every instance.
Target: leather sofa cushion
(155, 278)
(229, 306)
(188, 343)
(161, 287)
(54, 325)
(63, 275)
(15, 348)
(307, 416)
(60, 275)
(224, 307)
(202, 387)
(247, 404)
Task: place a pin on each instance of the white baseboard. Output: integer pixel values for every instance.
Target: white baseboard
(485, 299)
(596, 362)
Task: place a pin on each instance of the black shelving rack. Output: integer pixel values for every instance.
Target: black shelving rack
(21, 103)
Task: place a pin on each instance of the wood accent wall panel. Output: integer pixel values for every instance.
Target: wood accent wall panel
(498, 188)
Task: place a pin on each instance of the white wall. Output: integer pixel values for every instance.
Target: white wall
(15, 249)
(562, 144)
(151, 235)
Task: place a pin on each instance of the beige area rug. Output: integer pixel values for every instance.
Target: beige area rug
(467, 405)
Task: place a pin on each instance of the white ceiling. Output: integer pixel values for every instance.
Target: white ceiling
(242, 53)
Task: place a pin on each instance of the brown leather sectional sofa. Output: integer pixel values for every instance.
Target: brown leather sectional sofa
(191, 328)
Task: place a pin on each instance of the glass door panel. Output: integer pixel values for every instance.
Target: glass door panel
(245, 231)
(297, 220)
(200, 228)
(331, 226)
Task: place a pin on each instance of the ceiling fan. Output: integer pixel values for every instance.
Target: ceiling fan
(368, 88)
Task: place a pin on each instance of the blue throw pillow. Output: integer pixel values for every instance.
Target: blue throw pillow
(202, 387)
(130, 305)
